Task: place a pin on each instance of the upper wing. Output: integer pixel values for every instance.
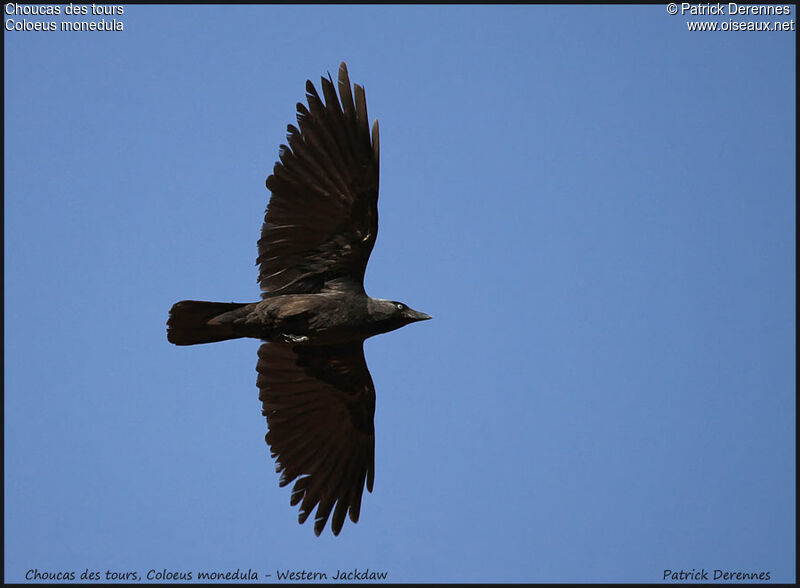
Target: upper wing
(319, 403)
(322, 219)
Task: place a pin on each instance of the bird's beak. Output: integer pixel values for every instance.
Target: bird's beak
(418, 316)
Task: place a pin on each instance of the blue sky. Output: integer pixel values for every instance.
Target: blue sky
(596, 205)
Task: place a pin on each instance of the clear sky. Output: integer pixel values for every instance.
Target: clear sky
(596, 205)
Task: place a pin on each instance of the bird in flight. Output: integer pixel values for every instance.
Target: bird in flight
(314, 314)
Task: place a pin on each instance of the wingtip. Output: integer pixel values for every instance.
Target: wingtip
(376, 139)
(319, 526)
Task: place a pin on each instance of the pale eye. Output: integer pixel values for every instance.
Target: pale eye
(401, 306)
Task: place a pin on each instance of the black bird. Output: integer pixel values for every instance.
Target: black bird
(319, 229)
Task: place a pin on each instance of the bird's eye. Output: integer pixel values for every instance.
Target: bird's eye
(401, 306)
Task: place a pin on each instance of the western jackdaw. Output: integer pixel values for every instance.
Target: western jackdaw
(319, 229)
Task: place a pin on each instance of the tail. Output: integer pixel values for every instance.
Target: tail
(188, 322)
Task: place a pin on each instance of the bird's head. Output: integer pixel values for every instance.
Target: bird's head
(389, 315)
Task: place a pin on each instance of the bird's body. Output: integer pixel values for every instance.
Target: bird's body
(319, 229)
(325, 318)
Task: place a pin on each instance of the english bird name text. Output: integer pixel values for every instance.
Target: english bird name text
(341, 575)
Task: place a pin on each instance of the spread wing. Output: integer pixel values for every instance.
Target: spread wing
(319, 402)
(322, 219)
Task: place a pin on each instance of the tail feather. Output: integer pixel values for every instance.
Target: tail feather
(188, 322)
